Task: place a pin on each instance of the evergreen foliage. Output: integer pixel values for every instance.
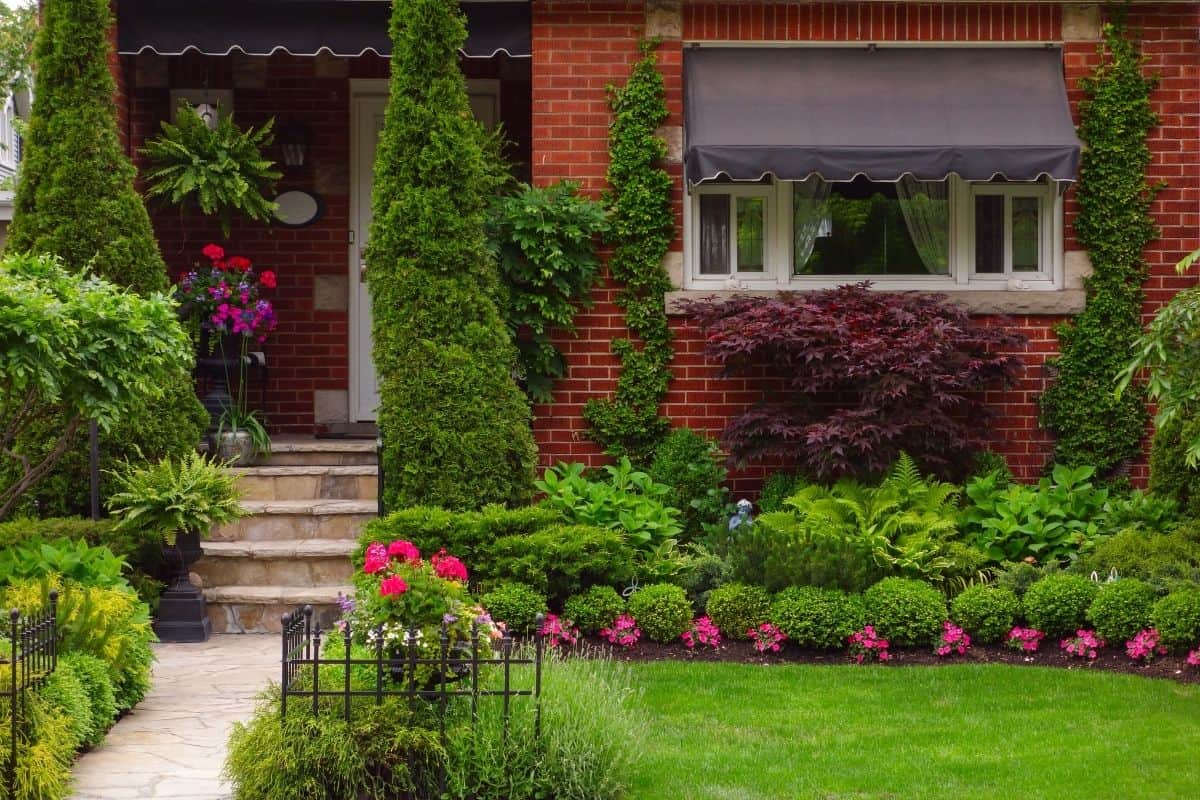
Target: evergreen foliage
(76, 200)
(454, 423)
(1093, 425)
(642, 228)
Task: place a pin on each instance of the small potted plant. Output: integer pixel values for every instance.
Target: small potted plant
(176, 502)
(225, 294)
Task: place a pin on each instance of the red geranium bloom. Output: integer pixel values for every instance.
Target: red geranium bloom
(240, 263)
(448, 567)
(267, 279)
(377, 559)
(406, 551)
(213, 252)
(393, 585)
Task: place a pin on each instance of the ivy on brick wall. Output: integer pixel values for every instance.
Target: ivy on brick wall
(1114, 225)
(642, 226)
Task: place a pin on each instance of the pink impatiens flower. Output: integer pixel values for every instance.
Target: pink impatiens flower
(703, 631)
(557, 631)
(954, 640)
(1144, 646)
(376, 558)
(1193, 658)
(624, 632)
(404, 550)
(1025, 639)
(393, 585)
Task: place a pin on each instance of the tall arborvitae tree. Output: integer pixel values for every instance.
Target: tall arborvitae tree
(455, 425)
(76, 200)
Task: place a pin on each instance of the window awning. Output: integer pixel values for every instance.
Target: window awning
(793, 112)
(299, 27)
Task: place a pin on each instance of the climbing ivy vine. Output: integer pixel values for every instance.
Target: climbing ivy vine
(642, 226)
(1093, 424)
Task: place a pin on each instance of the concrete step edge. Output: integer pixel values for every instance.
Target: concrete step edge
(269, 549)
(312, 508)
(277, 595)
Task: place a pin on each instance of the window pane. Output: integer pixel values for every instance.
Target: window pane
(750, 214)
(1026, 238)
(714, 234)
(865, 234)
(989, 234)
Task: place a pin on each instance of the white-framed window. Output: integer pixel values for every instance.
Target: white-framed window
(907, 234)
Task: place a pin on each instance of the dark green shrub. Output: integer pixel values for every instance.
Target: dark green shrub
(1121, 609)
(778, 487)
(594, 609)
(735, 608)
(705, 571)
(1177, 618)
(987, 613)
(905, 611)
(1057, 605)
(90, 215)
(819, 618)
(691, 464)
(466, 534)
(1019, 576)
(662, 611)
(623, 498)
(516, 605)
(1170, 476)
(455, 425)
(777, 551)
(65, 695)
(1162, 560)
(378, 755)
(561, 560)
(93, 675)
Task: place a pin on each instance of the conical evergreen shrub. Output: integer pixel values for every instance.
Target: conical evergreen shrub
(455, 425)
(76, 199)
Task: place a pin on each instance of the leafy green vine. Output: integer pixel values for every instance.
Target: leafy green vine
(642, 228)
(1093, 424)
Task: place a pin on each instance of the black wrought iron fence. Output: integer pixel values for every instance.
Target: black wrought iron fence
(456, 673)
(29, 656)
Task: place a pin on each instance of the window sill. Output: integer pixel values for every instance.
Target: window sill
(1031, 302)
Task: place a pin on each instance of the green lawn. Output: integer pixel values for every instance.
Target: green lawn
(747, 732)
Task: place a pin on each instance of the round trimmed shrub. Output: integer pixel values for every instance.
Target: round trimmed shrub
(1121, 609)
(905, 611)
(594, 609)
(662, 611)
(1057, 605)
(94, 676)
(516, 605)
(815, 617)
(986, 612)
(1177, 619)
(735, 608)
(66, 696)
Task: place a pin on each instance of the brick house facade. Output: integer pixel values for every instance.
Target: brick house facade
(553, 105)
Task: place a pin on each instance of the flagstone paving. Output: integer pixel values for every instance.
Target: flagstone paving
(173, 744)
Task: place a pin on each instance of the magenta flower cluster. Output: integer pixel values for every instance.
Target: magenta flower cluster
(1145, 646)
(1083, 644)
(1025, 639)
(867, 644)
(226, 295)
(954, 641)
(1193, 658)
(703, 632)
(624, 632)
(558, 631)
(766, 638)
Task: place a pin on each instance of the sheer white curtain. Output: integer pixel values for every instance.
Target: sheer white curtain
(926, 209)
(810, 198)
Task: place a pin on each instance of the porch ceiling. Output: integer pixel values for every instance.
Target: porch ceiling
(300, 27)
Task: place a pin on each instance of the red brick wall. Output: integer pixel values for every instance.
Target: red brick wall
(581, 46)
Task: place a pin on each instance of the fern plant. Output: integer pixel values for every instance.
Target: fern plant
(220, 170)
(172, 497)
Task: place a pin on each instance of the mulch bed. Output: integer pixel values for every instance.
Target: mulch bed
(1170, 667)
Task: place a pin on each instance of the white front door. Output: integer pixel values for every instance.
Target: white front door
(368, 102)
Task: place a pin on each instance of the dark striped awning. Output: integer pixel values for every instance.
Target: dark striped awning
(300, 27)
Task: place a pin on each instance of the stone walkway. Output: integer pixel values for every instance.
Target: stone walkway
(173, 744)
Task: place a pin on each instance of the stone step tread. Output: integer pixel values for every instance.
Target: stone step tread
(305, 470)
(322, 445)
(313, 508)
(277, 595)
(281, 548)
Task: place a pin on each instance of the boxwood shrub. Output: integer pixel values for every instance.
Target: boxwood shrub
(735, 608)
(1121, 609)
(820, 618)
(662, 611)
(905, 611)
(1057, 605)
(1177, 618)
(987, 613)
(594, 609)
(516, 605)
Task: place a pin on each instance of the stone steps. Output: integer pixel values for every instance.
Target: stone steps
(309, 482)
(305, 508)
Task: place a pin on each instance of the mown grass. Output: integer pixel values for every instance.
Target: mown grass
(747, 732)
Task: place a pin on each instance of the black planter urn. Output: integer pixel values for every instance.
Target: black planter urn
(182, 612)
